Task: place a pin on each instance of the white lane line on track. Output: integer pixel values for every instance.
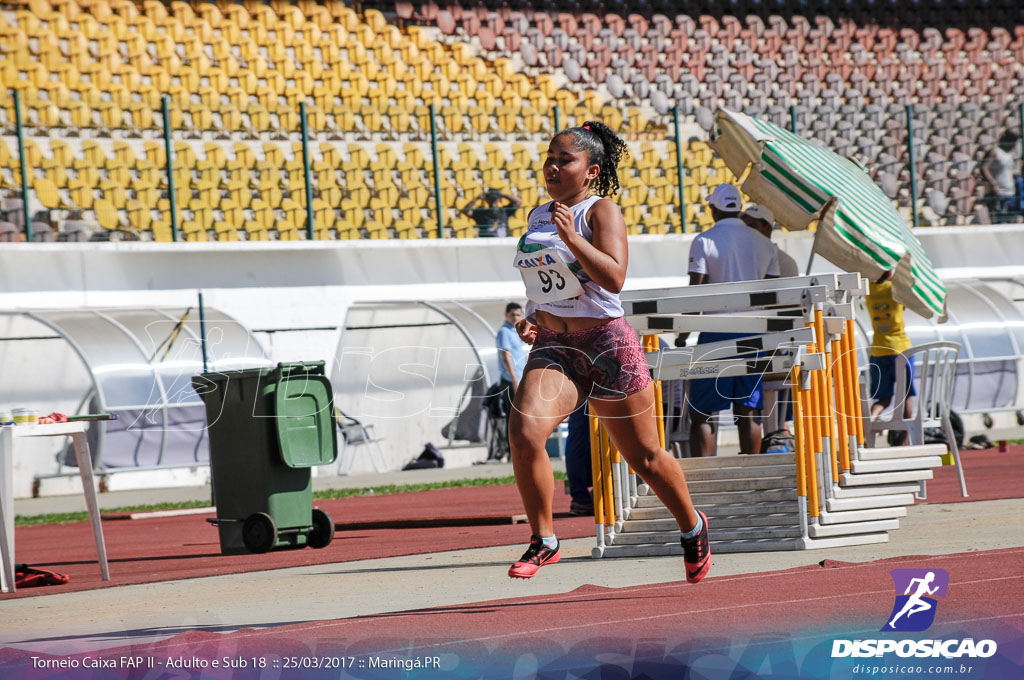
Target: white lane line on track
(320, 625)
(816, 636)
(654, 617)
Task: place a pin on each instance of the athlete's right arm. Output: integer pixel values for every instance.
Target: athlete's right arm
(527, 331)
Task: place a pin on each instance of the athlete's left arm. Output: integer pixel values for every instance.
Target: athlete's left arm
(606, 258)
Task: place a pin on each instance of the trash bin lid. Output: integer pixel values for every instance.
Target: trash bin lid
(305, 420)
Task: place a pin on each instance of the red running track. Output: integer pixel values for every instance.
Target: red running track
(169, 548)
(989, 474)
(803, 608)
(149, 550)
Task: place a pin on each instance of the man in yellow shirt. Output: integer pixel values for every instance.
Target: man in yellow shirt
(889, 339)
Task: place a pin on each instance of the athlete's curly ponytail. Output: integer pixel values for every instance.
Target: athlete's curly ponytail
(604, 148)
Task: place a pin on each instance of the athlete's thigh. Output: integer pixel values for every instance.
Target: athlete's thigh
(630, 420)
(544, 398)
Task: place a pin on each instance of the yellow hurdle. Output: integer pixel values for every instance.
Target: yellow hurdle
(815, 403)
(844, 368)
(651, 344)
(811, 407)
(659, 413)
(839, 375)
(607, 489)
(826, 395)
(799, 432)
(855, 383)
(596, 468)
(808, 403)
(847, 342)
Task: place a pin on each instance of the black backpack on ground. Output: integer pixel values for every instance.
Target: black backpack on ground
(429, 458)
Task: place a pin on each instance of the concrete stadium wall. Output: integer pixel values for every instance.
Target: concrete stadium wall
(278, 286)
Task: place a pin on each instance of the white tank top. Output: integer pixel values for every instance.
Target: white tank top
(541, 233)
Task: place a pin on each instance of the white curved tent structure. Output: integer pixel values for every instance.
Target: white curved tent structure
(134, 363)
(407, 367)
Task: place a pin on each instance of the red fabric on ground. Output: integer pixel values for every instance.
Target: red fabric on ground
(168, 548)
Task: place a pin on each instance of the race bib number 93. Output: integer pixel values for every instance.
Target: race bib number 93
(547, 276)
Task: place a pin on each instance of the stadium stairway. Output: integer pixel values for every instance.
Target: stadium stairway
(751, 504)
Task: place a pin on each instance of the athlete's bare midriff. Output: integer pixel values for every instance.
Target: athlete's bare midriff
(567, 324)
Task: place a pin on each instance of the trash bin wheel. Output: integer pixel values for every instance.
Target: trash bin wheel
(259, 533)
(323, 530)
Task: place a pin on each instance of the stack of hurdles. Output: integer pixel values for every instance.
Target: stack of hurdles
(833, 491)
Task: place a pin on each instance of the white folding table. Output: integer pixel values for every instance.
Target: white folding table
(8, 437)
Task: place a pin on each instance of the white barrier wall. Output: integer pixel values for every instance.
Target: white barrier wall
(276, 286)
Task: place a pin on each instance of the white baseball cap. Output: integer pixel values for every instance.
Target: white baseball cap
(760, 212)
(726, 197)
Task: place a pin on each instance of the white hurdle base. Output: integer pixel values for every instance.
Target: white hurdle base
(752, 506)
(843, 541)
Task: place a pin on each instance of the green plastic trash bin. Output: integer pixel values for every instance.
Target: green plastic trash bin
(268, 427)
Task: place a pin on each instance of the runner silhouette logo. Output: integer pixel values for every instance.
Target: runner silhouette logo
(915, 605)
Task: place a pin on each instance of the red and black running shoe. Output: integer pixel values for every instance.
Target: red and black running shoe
(535, 557)
(697, 553)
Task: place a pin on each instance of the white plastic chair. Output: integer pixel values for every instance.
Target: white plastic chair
(934, 371)
(354, 434)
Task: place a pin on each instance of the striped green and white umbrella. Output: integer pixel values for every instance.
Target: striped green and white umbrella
(859, 230)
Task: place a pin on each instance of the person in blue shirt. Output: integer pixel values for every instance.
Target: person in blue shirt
(511, 353)
(498, 402)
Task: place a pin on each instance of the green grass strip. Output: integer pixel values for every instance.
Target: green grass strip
(326, 494)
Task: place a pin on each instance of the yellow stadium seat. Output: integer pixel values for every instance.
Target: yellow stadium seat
(193, 231)
(245, 154)
(272, 154)
(156, 153)
(225, 231)
(114, 192)
(106, 214)
(55, 172)
(286, 231)
(255, 231)
(184, 155)
(332, 196)
(148, 197)
(139, 216)
(59, 149)
(46, 114)
(81, 193)
(92, 152)
(294, 213)
(117, 171)
(406, 230)
(263, 213)
(323, 218)
(202, 213)
(48, 194)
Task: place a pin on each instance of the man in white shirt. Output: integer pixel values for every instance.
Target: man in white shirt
(729, 251)
(761, 218)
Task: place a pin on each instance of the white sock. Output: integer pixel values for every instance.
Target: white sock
(550, 542)
(692, 533)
